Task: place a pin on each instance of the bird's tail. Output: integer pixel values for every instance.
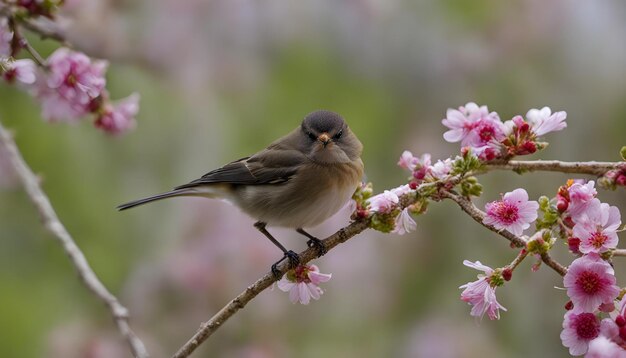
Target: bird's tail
(210, 193)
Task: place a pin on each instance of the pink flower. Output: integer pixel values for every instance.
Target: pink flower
(440, 169)
(121, 118)
(404, 223)
(481, 294)
(597, 227)
(578, 330)
(421, 167)
(384, 202)
(302, 283)
(461, 121)
(407, 161)
(73, 82)
(487, 131)
(543, 121)
(603, 347)
(23, 71)
(6, 35)
(580, 196)
(513, 213)
(590, 281)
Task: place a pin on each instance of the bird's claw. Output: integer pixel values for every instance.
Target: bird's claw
(319, 245)
(294, 261)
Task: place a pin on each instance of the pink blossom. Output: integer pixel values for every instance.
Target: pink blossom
(590, 281)
(440, 169)
(480, 293)
(23, 71)
(302, 283)
(602, 347)
(580, 196)
(407, 161)
(6, 35)
(543, 121)
(404, 223)
(120, 118)
(487, 131)
(402, 190)
(72, 83)
(597, 227)
(421, 167)
(461, 121)
(384, 202)
(513, 213)
(578, 330)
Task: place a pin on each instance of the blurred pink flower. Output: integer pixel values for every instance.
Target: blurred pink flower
(23, 71)
(421, 168)
(580, 196)
(121, 117)
(6, 35)
(384, 202)
(440, 169)
(578, 330)
(597, 227)
(590, 281)
(404, 223)
(407, 161)
(602, 347)
(71, 85)
(543, 121)
(513, 213)
(402, 190)
(480, 293)
(302, 283)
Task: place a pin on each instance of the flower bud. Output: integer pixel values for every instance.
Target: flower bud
(561, 204)
(574, 245)
(620, 321)
(569, 305)
(507, 273)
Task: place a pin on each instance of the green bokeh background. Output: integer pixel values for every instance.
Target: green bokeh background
(219, 80)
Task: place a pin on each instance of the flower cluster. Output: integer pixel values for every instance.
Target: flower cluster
(302, 283)
(69, 85)
(591, 227)
(391, 210)
(485, 134)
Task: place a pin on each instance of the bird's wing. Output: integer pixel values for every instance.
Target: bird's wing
(270, 166)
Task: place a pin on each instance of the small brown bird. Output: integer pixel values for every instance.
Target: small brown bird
(298, 181)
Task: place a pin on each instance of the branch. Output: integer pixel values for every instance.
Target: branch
(591, 168)
(60, 233)
(619, 252)
(478, 216)
(209, 327)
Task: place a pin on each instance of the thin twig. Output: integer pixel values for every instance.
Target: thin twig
(60, 233)
(478, 216)
(209, 327)
(619, 252)
(591, 168)
(518, 259)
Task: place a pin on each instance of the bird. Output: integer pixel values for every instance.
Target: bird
(297, 181)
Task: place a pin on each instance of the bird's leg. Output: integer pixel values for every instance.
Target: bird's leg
(293, 258)
(314, 242)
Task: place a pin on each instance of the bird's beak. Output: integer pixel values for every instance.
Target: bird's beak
(324, 138)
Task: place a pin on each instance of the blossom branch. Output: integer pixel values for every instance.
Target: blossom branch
(591, 168)
(476, 214)
(209, 327)
(518, 259)
(55, 227)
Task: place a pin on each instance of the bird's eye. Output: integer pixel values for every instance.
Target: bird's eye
(311, 135)
(338, 135)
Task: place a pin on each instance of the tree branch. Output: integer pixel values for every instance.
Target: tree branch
(60, 233)
(591, 168)
(478, 216)
(209, 327)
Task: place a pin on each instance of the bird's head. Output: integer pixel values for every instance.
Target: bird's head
(328, 138)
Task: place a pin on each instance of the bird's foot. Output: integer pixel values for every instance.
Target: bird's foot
(293, 258)
(319, 245)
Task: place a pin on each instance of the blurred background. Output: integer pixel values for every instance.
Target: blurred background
(219, 80)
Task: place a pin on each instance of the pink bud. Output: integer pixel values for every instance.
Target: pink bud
(620, 321)
(561, 204)
(569, 305)
(529, 147)
(507, 273)
(622, 332)
(621, 180)
(574, 245)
